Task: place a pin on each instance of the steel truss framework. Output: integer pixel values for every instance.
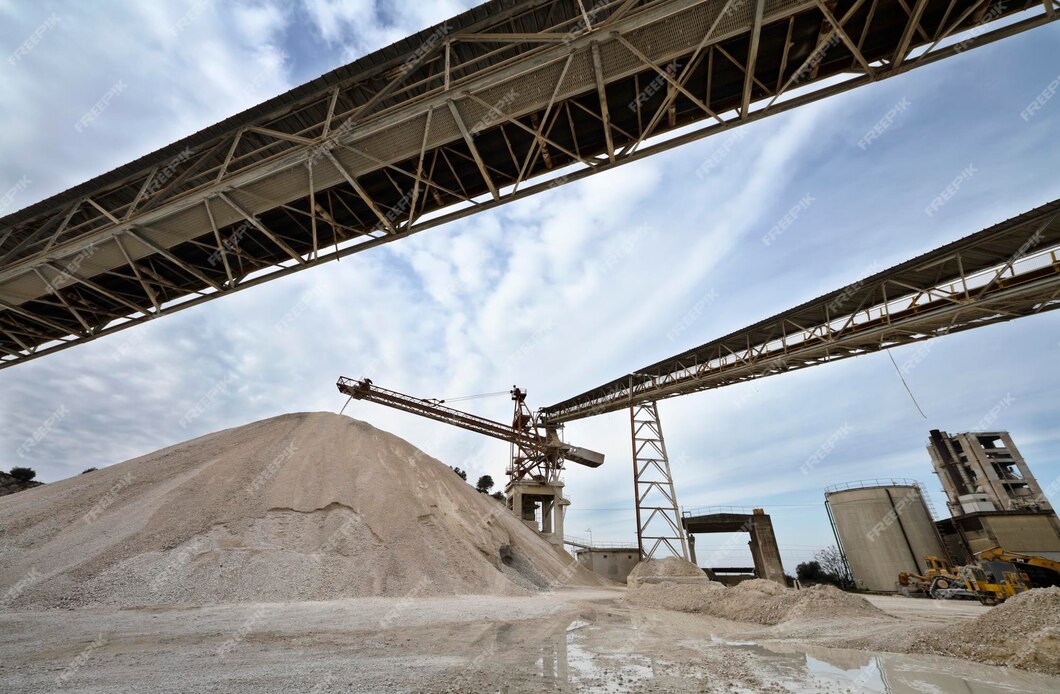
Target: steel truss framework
(537, 452)
(1004, 272)
(454, 120)
(658, 518)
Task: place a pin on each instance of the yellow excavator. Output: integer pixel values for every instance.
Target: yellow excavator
(996, 575)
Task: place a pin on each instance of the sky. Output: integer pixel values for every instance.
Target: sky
(558, 292)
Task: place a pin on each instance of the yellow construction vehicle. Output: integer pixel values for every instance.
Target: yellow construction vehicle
(940, 581)
(1041, 572)
(993, 582)
(996, 575)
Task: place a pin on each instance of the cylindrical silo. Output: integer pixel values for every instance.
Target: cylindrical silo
(883, 528)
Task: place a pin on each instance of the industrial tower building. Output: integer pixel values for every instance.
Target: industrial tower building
(983, 471)
(993, 497)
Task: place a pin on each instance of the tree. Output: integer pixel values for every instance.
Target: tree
(810, 572)
(91, 469)
(828, 567)
(23, 474)
(458, 471)
(499, 496)
(834, 566)
(484, 484)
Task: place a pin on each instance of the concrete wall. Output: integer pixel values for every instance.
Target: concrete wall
(1030, 534)
(612, 563)
(883, 531)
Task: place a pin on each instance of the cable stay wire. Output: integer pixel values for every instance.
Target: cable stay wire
(462, 398)
(900, 376)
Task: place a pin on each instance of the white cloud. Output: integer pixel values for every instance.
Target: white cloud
(544, 292)
(361, 26)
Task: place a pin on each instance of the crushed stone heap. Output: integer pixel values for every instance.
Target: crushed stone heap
(309, 506)
(675, 584)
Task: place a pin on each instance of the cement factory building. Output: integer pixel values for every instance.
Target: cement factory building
(885, 527)
(993, 497)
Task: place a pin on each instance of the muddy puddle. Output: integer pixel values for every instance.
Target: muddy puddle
(620, 653)
(866, 671)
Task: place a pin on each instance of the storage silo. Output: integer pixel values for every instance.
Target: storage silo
(883, 527)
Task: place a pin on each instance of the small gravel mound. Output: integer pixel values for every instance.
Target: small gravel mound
(759, 601)
(672, 569)
(679, 597)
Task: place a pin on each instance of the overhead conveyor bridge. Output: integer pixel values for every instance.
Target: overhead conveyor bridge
(500, 102)
(1004, 272)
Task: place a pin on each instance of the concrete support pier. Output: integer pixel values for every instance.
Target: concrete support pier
(530, 500)
(763, 541)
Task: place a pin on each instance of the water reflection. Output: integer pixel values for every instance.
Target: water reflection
(616, 653)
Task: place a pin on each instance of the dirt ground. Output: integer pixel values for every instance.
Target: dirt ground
(580, 639)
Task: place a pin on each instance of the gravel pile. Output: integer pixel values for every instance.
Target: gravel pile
(673, 569)
(298, 507)
(1023, 631)
(757, 600)
(679, 597)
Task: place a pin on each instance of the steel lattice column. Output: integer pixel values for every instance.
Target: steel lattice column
(658, 519)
